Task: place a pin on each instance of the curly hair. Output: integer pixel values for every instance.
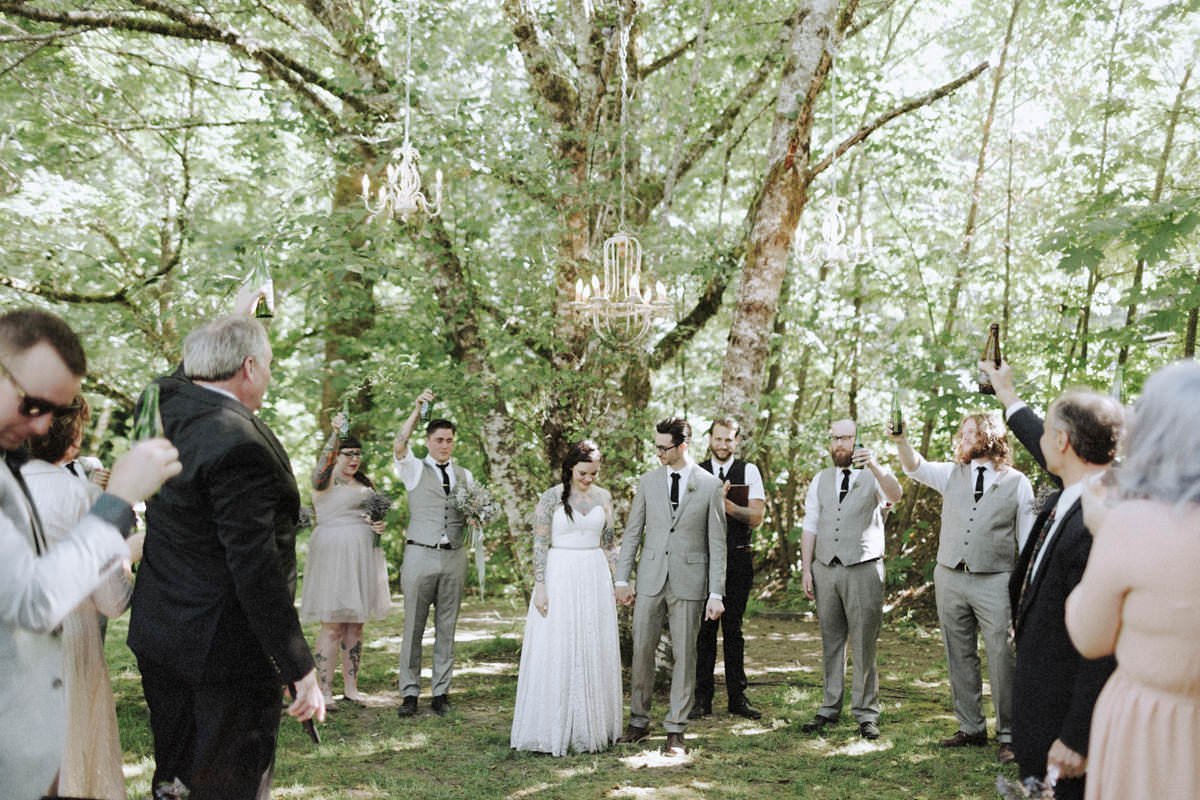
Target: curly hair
(66, 428)
(991, 443)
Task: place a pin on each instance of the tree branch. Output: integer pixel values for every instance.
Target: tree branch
(50, 292)
(708, 304)
(909, 105)
(666, 59)
(553, 88)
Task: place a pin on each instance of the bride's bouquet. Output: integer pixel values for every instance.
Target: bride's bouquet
(375, 508)
(475, 502)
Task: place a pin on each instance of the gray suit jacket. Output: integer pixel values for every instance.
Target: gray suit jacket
(36, 592)
(686, 547)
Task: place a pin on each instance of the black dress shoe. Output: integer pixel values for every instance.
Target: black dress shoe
(742, 708)
(700, 710)
(674, 745)
(817, 725)
(633, 734)
(868, 730)
(963, 739)
(441, 705)
(408, 707)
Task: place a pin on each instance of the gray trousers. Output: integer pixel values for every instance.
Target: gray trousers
(969, 604)
(430, 577)
(650, 611)
(850, 608)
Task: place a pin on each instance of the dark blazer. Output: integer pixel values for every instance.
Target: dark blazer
(214, 593)
(1054, 687)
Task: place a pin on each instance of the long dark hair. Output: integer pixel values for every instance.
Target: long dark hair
(585, 450)
(351, 442)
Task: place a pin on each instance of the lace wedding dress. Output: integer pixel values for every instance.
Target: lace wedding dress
(569, 685)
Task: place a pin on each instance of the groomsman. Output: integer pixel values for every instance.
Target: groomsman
(435, 559)
(842, 553)
(740, 521)
(987, 511)
(1054, 687)
(676, 534)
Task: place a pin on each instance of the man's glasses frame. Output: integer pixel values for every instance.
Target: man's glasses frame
(32, 407)
(660, 448)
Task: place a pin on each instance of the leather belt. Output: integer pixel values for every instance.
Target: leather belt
(438, 546)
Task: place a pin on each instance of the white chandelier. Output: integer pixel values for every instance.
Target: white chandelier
(621, 311)
(399, 196)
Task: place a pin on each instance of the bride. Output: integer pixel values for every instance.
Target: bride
(569, 686)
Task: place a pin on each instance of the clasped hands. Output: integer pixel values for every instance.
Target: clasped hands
(713, 609)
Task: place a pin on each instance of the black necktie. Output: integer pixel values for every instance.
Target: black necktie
(445, 478)
(721, 474)
(674, 490)
(845, 485)
(1038, 543)
(71, 468)
(979, 484)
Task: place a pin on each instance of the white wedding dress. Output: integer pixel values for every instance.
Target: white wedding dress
(569, 686)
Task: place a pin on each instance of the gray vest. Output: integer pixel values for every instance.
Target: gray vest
(431, 510)
(852, 530)
(981, 534)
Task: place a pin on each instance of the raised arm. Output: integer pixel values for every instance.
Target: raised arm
(400, 448)
(323, 471)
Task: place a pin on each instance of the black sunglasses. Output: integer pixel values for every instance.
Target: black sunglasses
(34, 407)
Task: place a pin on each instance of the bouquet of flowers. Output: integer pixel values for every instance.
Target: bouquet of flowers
(1029, 789)
(475, 503)
(375, 508)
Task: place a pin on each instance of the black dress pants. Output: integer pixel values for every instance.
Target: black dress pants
(739, 575)
(218, 739)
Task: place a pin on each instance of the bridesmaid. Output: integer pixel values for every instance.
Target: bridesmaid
(345, 577)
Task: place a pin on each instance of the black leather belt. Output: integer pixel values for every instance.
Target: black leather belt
(438, 546)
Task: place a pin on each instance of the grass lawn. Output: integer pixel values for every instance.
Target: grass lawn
(368, 752)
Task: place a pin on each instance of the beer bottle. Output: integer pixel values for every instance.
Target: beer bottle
(147, 424)
(897, 416)
(260, 278)
(1118, 384)
(991, 352)
(858, 445)
(345, 427)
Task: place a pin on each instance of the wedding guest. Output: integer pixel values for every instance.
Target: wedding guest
(1054, 687)
(741, 518)
(41, 366)
(675, 533)
(345, 576)
(987, 511)
(435, 558)
(91, 765)
(1139, 598)
(214, 627)
(569, 685)
(842, 570)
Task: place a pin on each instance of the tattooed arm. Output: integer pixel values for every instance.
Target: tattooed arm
(542, 516)
(608, 537)
(323, 472)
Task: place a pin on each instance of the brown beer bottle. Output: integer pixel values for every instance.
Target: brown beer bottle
(991, 352)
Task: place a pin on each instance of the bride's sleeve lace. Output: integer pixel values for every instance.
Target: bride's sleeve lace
(542, 516)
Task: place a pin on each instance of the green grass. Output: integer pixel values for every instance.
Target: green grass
(370, 753)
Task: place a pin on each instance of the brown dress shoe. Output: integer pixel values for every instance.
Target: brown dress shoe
(633, 734)
(964, 739)
(674, 745)
(1005, 754)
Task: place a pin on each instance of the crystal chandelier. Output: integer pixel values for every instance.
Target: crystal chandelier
(399, 196)
(621, 311)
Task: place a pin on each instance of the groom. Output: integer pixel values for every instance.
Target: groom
(678, 521)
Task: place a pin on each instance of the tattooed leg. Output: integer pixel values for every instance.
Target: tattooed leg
(351, 656)
(325, 656)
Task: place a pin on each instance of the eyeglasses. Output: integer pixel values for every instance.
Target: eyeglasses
(351, 453)
(34, 407)
(660, 448)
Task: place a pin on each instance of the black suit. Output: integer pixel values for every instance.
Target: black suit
(213, 623)
(1054, 687)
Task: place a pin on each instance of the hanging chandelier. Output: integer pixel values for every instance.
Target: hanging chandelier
(399, 196)
(622, 312)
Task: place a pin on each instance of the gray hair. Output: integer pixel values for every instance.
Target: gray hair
(1162, 458)
(215, 351)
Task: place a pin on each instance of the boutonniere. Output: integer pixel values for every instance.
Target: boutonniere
(691, 487)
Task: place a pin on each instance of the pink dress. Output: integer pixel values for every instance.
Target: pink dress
(1140, 598)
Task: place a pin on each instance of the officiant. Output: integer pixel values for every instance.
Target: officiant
(745, 503)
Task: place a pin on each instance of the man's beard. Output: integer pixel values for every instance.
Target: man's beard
(842, 458)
